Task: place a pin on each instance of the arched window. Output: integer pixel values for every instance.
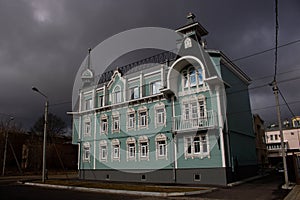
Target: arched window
(103, 150)
(191, 77)
(161, 146)
(86, 152)
(117, 95)
(143, 148)
(115, 147)
(131, 148)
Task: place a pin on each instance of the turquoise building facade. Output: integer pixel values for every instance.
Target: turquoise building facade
(187, 120)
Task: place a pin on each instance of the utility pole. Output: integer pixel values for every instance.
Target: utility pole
(283, 152)
(5, 146)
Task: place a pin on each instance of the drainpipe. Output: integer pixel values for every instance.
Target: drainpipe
(220, 120)
(174, 143)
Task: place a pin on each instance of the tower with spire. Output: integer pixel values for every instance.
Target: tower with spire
(87, 75)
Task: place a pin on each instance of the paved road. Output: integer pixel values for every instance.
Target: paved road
(267, 188)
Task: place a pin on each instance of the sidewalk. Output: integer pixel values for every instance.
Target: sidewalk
(294, 194)
(158, 191)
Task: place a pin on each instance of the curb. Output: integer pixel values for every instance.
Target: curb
(113, 191)
(246, 180)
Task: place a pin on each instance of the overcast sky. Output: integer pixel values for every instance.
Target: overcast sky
(43, 43)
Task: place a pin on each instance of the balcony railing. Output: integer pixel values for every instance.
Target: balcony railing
(203, 122)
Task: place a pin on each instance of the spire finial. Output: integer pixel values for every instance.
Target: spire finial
(190, 17)
(89, 58)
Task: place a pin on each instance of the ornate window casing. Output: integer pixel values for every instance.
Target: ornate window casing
(194, 109)
(86, 157)
(131, 148)
(196, 146)
(103, 150)
(104, 124)
(161, 147)
(192, 77)
(115, 122)
(155, 87)
(115, 150)
(87, 126)
(116, 95)
(143, 148)
(143, 117)
(131, 124)
(160, 114)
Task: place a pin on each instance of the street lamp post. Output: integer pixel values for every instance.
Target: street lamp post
(5, 146)
(45, 131)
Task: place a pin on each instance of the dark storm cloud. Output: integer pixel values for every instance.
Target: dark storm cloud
(43, 42)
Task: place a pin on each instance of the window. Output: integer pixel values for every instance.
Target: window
(143, 148)
(134, 93)
(100, 101)
(130, 148)
(131, 121)
(86, 152)
(155, 86)
(196, 146)
(192, 77)
(161, 146)
(104, 125)
(87, 127)
(204, 144)
(116, 152)
(143, 116)
(186, 111)
(271, 137)
(103, 150)
(117, 95)
(160, 116)
(115, 149)
(276, 137)
(116, 123)
(188, 145)
(200, 76)
(88, 104)
(194, 112)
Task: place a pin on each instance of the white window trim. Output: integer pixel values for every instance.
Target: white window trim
(102, 144)
(143, 139)
(87, 126)
(86, 148)
(115, 118)
(130, 112)
(129, 141)
(193, 154)
(158, 89)
(114, 94)
(103, 117)
(157, 107)
(159, 138)
(141, 110)
(187, 71)
(132, 91)
(114, 143)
